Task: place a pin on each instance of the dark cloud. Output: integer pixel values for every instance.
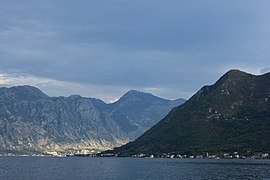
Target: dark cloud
(174, 45)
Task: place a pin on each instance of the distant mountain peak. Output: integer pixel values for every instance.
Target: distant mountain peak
(135, 93)
(25, 87)
(233, 77)
(236, 73)
(75, 96)
(27, 91)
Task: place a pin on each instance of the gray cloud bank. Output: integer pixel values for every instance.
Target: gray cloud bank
(170, 48)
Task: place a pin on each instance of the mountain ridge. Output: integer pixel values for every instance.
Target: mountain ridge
(231, 115)
(32, 121)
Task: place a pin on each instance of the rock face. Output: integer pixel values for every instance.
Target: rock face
(233, 115)
(32, 121)
(136, 112)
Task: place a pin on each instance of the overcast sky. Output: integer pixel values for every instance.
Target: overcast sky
(103, 48)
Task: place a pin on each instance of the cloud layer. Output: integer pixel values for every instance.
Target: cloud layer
(171, 48)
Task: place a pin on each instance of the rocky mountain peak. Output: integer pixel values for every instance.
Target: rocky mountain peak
(24, 92)
(134, 96)
(134, 93)
(234, 76)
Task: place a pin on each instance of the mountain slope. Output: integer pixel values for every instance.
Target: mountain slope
(136, 112)
(233, 115)
(33, 121)
(36, 122)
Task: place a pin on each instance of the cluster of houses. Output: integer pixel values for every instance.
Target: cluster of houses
(234, 155)
(93, 153)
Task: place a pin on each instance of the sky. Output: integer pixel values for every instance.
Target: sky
(103, 48)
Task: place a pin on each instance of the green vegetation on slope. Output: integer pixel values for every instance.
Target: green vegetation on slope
(231, 115)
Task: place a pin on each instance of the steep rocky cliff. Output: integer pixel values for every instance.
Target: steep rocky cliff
(31, 121)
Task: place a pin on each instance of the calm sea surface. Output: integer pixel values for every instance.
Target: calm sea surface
(76, 168)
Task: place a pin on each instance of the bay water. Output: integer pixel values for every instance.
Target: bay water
(84, 168)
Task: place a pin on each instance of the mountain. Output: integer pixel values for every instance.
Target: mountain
(32, 122)
(136, 112)
(233, 115)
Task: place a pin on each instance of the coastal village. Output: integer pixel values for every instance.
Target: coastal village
(234, 155)
(96, 153)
